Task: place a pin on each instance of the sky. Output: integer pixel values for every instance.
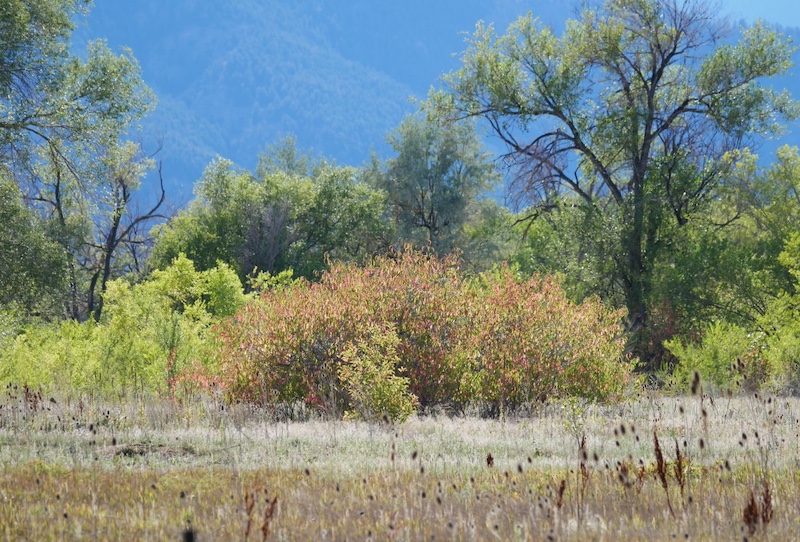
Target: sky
(783, 12)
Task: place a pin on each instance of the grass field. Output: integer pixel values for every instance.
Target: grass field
(157, 470)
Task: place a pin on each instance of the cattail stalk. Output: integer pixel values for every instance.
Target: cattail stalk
(679, 469)
(661, 469)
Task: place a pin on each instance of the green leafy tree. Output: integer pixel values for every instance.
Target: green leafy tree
(275, 220)
(63, 118)
(52, 99)
(96, 217)
(631, 111)
(31, 264)
(725, 264)
(213, 226)
(434, 183)
(751, 297)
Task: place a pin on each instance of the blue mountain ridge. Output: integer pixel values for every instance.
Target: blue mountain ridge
(236, 75)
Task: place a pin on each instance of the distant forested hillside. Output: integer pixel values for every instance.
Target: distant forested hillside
(236, 75)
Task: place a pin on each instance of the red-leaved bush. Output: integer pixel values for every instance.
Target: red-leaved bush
(493, 339)
(528, 342)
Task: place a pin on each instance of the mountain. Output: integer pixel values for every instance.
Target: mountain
(233, 76)
(236, 75)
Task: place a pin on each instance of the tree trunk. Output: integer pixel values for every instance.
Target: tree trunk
(636, 273)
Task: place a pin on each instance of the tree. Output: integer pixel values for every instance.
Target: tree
(50, 98)
(95, 215)
(275, 220)
(632, 111)
(112, 252)
(31, 264)
(435, 181)
(62, 124)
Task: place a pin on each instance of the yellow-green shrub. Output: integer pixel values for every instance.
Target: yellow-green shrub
(368, 373)
(150, 340)
(723, 359)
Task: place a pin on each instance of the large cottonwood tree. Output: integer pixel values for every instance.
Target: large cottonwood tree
(630, 111)
(64, 118)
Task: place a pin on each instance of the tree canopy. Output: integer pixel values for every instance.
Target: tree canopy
(290, 214)
(434, 182)
(51, 98)
(632, 111)
(63, 122)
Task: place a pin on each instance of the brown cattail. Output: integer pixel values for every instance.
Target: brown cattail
(750, 514)
(661, 469)
(623, 475)
(679, 474)
(766, 509)
(249, 503)
(269, 515)
(695, 383)
(661, 465)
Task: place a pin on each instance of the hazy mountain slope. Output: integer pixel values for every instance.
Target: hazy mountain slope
(235, 75)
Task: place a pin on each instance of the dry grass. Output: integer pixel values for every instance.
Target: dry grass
(155, 470)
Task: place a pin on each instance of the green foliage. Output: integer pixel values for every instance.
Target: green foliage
(781, 356)
(369, 375)
(32, 266)
(62, 356)
(153, 337)
(719, 359)
(263, 280)
(63, 117)
(765, 353)
(172, 312)
(434, 183)
(275, 220)
(574, 242)
(781, 325)
(737, 270)
(632, 112)
(49, 95)
(497, 340)
(488, 236)
(213, 225)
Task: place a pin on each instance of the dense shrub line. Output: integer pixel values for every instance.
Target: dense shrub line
(764, 355)
(453, 340)
(409, 330)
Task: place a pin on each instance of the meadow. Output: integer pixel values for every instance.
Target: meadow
(723, 468)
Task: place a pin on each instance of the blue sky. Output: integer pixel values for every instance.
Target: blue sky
(784, 12)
